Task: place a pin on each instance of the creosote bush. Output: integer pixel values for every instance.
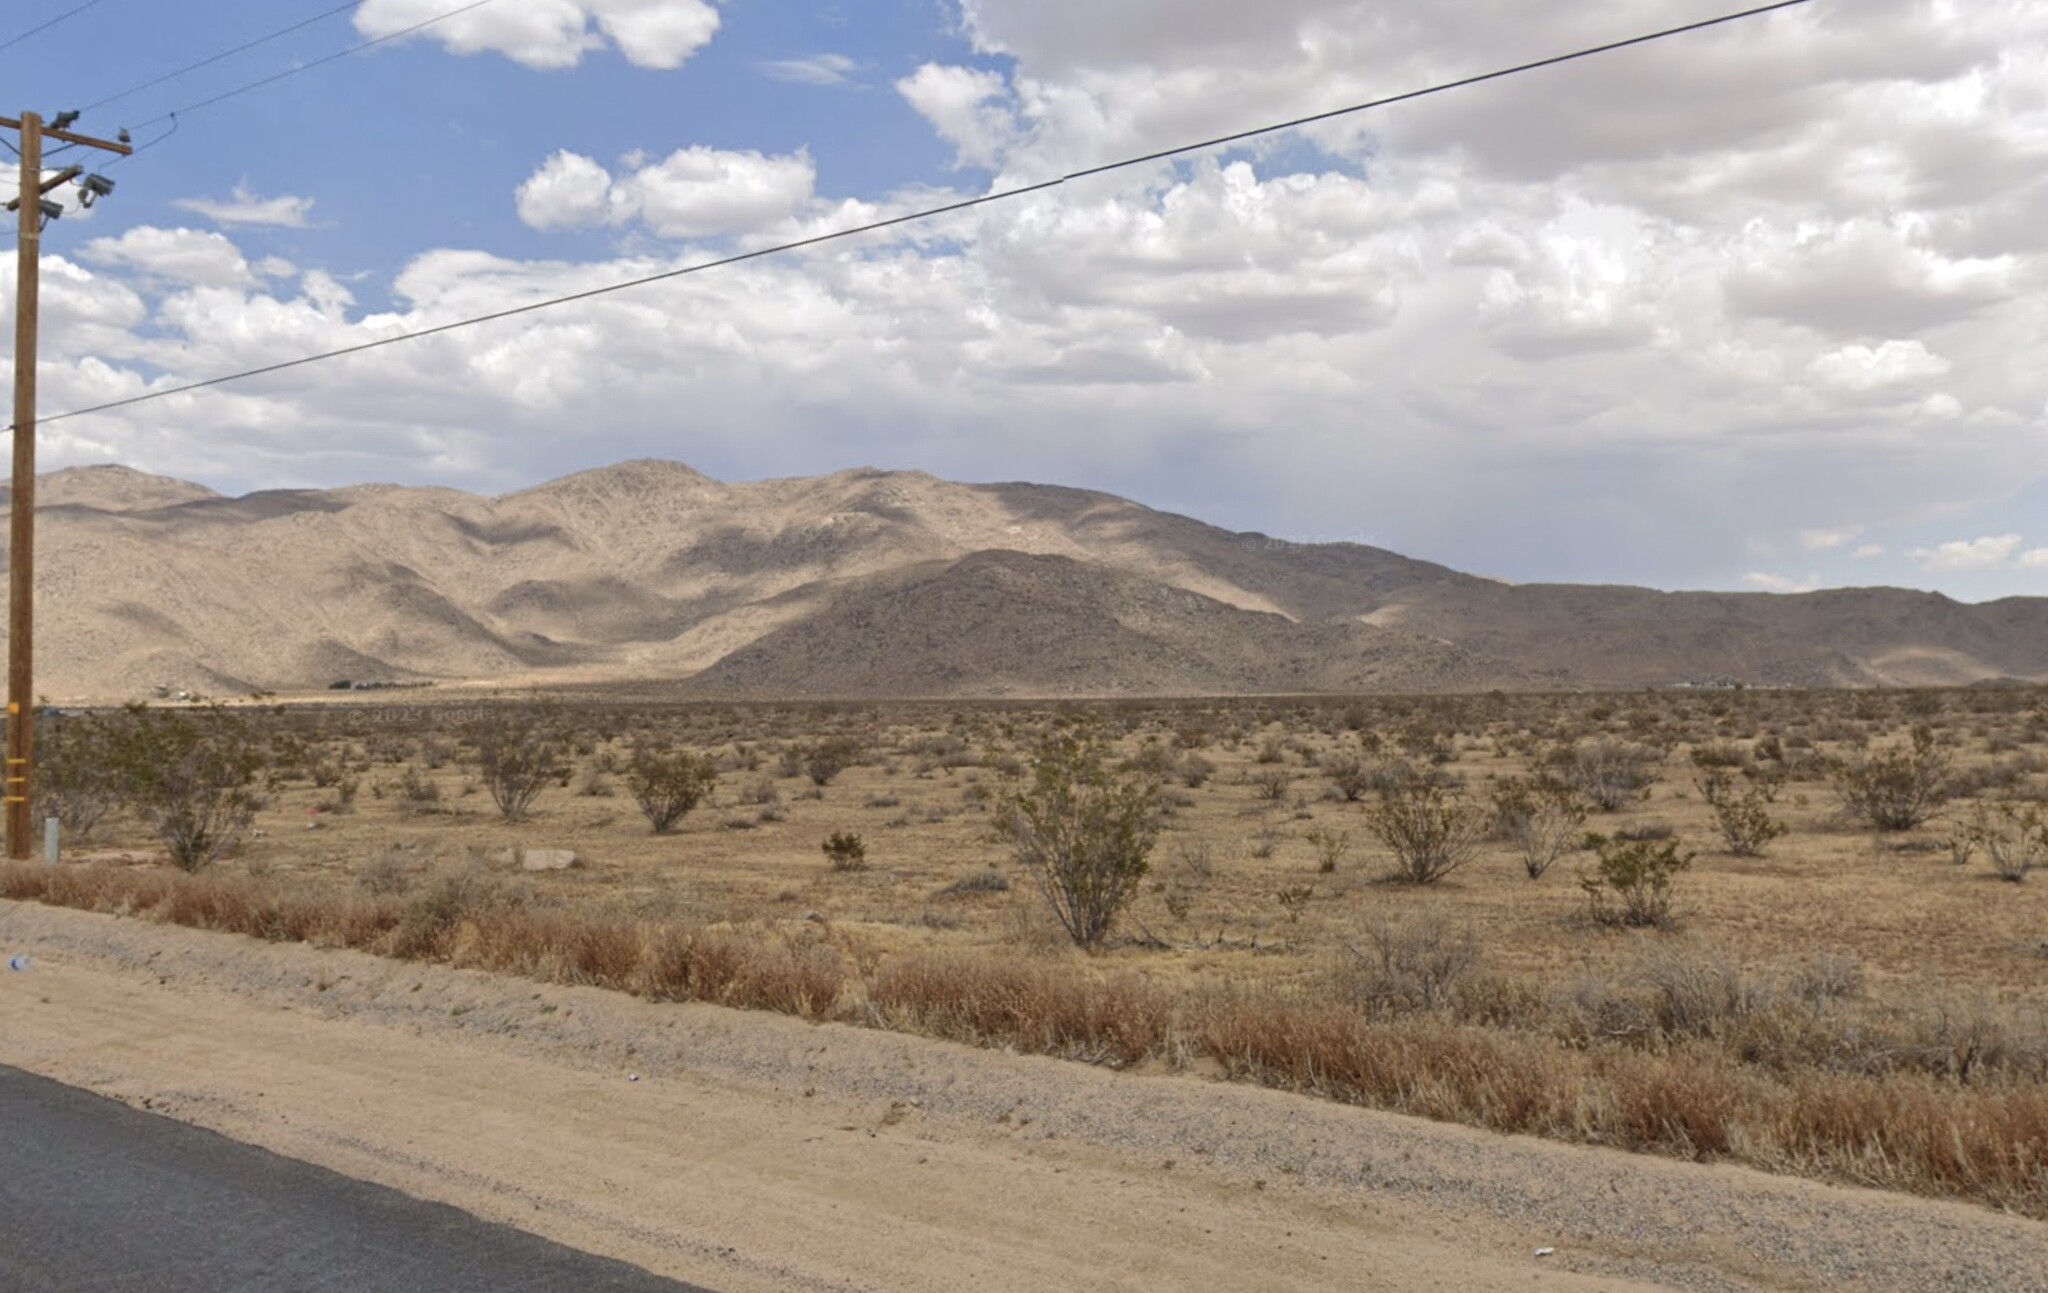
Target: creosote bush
(1610, 773)
(1430, 829)
(517, 756)
(823, 762)
(1897, 788)
(1742, 813)
(188, 776)
(668, 786)
(77, 777)
(1542, 818)
(2013, 835)
(1084, 831)
(845, 851)
(1631, 884)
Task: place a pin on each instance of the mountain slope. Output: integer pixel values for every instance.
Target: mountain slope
(872, 583)
(1009, 623)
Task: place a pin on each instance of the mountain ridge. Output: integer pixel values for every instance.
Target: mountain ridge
(873, 583)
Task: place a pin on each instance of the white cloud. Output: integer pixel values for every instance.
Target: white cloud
(661, 34)
(696, 192)
(1770, 583)
(818, 69)
(191, 256)
(1988, 553)
(692, 193)
(969, 109)
(1867, 368)
(569, 191)
(246, 208)
(2033, 559)
(1869, 551)
(1826, 540)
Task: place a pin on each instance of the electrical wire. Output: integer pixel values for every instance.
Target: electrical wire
(322, 61)
(68, 13)
(933, 212)
(224, 54)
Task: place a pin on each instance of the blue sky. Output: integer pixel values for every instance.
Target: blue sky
(1760, 309)
(405, 148)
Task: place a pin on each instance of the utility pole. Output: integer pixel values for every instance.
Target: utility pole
(21, 695)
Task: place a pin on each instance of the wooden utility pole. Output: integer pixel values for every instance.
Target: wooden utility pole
(21, 703)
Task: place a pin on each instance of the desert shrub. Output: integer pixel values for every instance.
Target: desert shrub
(826, 759)
(1632, 882)
(188, 776)
(1430, 830)
(1083, 831)
(388, 871)
(1899, 787)
(1541, 818)
(76, 781)
(418, 795)
(1412, 964)
(845, 851)
(1742, 814)
(517, 756)
(1349, 777)
(1330, 845)
(2013, 835)
(668, 786)
(1610, 773)
(1270, 784)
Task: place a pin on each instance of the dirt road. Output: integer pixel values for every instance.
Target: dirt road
(749, 1152)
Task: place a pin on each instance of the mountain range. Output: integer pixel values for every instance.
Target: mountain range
(874, 584)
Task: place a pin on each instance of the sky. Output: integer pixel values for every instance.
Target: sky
(1757, 308)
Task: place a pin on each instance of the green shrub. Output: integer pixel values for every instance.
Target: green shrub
(1743, 815)
(1633, 881)
(668, 786)
(846, 851)
(1898, 788)
(76, 780)
(1083, 831)
(187, 775)
(828, 758)
(517, 756)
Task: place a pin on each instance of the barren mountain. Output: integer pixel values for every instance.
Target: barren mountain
(870, 583)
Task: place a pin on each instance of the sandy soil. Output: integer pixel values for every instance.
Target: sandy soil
(752, 1153)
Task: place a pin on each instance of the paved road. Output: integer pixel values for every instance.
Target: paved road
(96, 1197)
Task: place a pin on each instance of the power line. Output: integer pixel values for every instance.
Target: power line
(224, 54)
(322, 61)
(68, 13)
(934, 212)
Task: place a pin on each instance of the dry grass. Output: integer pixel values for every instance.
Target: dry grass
(1850, 1007)
(1911, 1130)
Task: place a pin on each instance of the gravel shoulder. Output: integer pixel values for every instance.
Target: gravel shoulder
(752, 1152)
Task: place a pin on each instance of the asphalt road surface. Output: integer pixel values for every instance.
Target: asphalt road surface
(96, 1197)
